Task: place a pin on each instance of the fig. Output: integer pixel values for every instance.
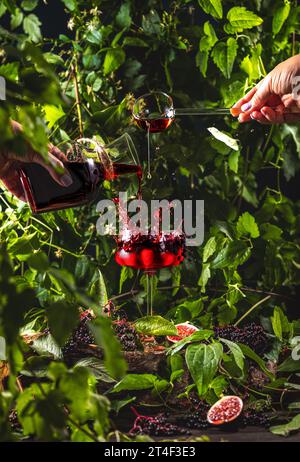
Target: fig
(226, 410)
(184, 330)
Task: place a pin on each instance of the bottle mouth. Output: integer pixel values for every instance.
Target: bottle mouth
(85, 149)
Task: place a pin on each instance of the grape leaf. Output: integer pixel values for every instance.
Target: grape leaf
(209, 249)
(224, 55)
(114, 58)
(212, 7)
(240, 18)
(31, 26)
(233, 255)
(280, 16)
(247, 225)
(210, 38)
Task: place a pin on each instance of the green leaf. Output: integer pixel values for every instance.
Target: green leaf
(117, 405)
(202, 61)
(276, 323)
(53, 114)
(98, 289)
(252, 355)
(47, 346)
(247, 225)
(209, 249)
(280, 16)
(135, 382)
(286, 429)
(270, 232)
(212, 7)
(96, 367)
(52, 58)
(236, 351)
(123, 18)
(3, 9)
(114, 58)
(16, 19)
(114, 361)
(126, 273)
(29, 5)
(218, 385)
(39, 261)
(224, 55)
(198, 336)
(151, 23)
(289, 365)
(202, 362)
(2, 349)
(233, 161)
(240, 18)
(70, 4)
(10, 71)
(280, 323)
(135, 42)
(204, 276)
(63, 317)
(210, 39)
(224, 138)
(233, 255)
(31, 26)
(155, 325)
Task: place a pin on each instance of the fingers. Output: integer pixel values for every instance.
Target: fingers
(236, 108)
(253, 101)
(13, 184)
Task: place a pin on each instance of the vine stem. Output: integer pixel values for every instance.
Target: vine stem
(252, 309)
(77, 93)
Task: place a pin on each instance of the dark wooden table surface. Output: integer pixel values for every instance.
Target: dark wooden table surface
(245, 435)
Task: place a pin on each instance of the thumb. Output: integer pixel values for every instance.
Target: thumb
(260, 97)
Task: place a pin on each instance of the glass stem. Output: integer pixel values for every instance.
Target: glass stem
(150, 291)
(149, 154)
(201, 111)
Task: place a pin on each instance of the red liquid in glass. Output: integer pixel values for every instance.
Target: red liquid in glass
(44, 194)
(151, 252)
(155, 125)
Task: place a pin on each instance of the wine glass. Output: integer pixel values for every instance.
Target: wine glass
(155, 111)
(149, 253)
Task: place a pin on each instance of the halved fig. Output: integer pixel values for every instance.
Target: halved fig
(226, 410)
(184, 330)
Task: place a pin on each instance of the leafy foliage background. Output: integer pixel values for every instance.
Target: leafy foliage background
(203, 53)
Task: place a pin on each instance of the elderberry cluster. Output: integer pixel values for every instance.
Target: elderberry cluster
(81, 336)
(155, 426)
(126, 334)
(251, 335)
(197, 419)
(252, 417)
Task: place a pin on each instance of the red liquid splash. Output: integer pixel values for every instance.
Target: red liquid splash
(44, 194)
(155, 125)
(150, 253)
